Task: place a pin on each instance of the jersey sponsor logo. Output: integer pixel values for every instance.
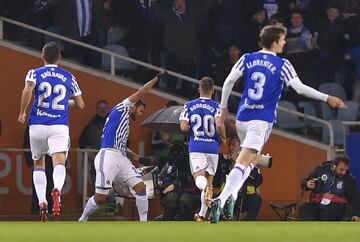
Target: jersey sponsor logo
(253, 106)
(203, 139)
(42, 113)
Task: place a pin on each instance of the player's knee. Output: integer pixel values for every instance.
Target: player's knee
(39, 164)
(59, 158)
(140, 188)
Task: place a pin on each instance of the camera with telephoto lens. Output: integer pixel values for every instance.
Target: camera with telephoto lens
(319, 183)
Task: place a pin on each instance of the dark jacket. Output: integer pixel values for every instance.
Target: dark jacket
(224, 167)
(327, 181)
(180, 37)
(91, 135)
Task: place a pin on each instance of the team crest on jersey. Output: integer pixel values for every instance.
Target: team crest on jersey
(264, 57)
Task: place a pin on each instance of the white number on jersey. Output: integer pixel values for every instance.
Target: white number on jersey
(259, 79)
(207, 122)
(48, 90)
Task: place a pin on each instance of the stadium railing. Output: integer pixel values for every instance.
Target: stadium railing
(83, 157)
(114, 56)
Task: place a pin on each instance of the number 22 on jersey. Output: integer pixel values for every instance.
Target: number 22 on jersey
(59, 91)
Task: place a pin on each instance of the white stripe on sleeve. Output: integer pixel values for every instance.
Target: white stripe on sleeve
(75, 89)
(288, 73)
(184, 114)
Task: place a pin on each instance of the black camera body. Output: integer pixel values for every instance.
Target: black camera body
(319, 184)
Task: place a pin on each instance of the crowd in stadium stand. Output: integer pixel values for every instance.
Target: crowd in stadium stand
(202, 37)
(196, 38)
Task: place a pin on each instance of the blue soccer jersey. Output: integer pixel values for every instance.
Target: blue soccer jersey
(116, 129)
(53, 88)
(201, 113)
(265, 75)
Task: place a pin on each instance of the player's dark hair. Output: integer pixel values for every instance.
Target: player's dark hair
(139, 103)
(270, 34)
(51, 53)
(206, 84)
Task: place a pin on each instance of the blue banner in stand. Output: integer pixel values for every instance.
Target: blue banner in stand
(353, 151)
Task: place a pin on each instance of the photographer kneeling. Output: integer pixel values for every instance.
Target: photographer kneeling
(332, 189)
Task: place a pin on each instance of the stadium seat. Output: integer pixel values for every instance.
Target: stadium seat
(350, 113)
(120, 65)
(339, 132)
(309, 109)
(287, 120)
(333, 89)
(326, 112)
(114, 36)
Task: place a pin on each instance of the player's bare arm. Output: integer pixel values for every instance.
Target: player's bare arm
(132, 155)
(220, 126)
(184, 126)
(79, 102)
(146, 88)
(25, 100)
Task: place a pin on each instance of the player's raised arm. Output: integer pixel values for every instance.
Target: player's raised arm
(146, 88)
(30, 82)
(290, 77)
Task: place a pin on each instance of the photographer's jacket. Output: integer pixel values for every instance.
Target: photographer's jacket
(342, 189)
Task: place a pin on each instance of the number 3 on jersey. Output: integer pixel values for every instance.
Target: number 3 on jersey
(207, 122)
(48, 90)
(259, 82)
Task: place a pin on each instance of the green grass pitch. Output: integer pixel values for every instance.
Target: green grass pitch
(179, 231)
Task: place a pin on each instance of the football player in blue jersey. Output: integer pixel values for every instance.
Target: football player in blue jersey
(55, 90)
(265, 75)
(202, 118)
(113, 159)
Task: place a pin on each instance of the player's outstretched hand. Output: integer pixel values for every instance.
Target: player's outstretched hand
(335, 102)
(22, 118)
(162, 74)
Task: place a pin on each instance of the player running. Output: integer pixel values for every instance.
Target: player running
(265, 75)
(112, 159)
(49, 123)
(202, 117)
